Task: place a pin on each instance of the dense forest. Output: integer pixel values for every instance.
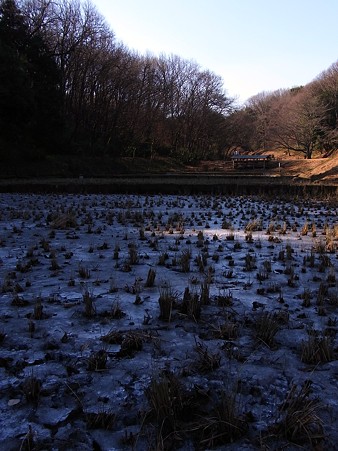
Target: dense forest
(67, 86)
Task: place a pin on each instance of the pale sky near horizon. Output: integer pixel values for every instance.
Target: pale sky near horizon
(254, 45)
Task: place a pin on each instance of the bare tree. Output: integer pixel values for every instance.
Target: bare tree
(116, 101)
(325, 86)
(300, 122)
(239, 131)
(262, 109)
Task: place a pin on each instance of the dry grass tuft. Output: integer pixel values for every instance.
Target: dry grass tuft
(165, 400)
(65, 220)
(150, 278)
(2, 336)
(18, 301)
(184, 260)
(133, 257)
(112, 337)
(172, 407)
(31, 388)
(98, 360)
(229, 330)
(266, 327)
(298, 420)
(225, 299)
(103, 419)
(132, 342)
(205, 292)
(28, 442)
(38, 309)
(166, 301)
(89, 307)
(317, 349)
(84, 272)
(224, 424)
(206, 361)
(116, 311)
(191, 305)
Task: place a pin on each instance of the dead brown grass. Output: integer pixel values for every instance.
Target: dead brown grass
(316, 169)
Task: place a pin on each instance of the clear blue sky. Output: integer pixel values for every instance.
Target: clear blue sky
(254, 45)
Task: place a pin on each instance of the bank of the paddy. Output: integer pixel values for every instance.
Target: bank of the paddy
(236, 184)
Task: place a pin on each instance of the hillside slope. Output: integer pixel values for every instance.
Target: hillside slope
(317, 169)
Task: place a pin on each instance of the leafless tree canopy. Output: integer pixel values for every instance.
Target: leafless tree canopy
(302, 119)
(70, 87)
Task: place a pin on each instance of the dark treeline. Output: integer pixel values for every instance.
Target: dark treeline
(68, 87)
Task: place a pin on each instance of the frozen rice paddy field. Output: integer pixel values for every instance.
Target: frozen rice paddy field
(167, 322)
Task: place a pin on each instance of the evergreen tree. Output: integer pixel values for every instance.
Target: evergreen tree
(30, 100)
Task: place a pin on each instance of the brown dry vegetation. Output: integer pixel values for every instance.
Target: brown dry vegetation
(317, 170)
